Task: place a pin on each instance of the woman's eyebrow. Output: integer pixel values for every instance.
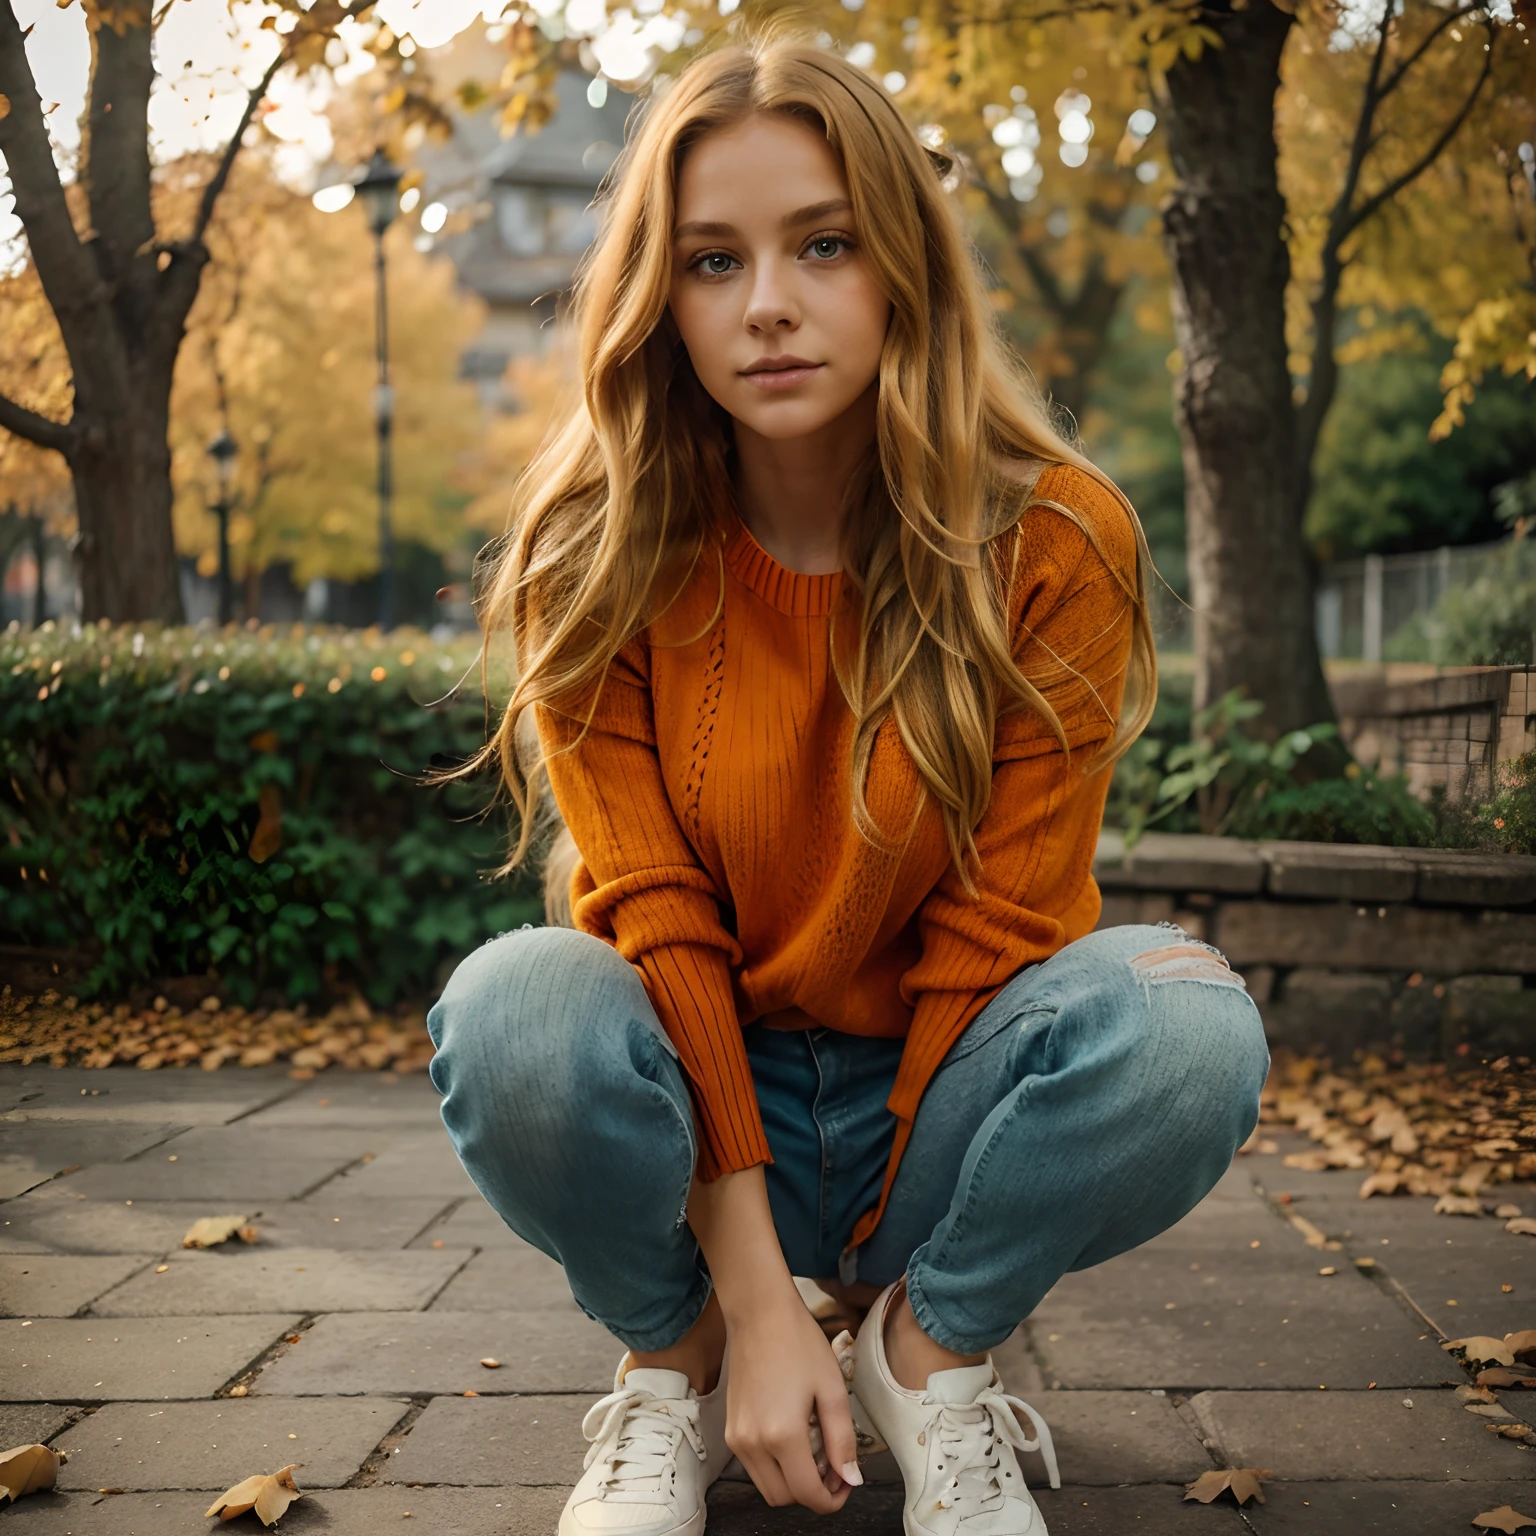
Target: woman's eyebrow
(807, 215)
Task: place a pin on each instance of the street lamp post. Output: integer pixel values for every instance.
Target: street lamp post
(378, 187)
(222, 450)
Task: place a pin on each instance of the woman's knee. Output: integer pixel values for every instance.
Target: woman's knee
(528, 1019)
(1202, 1033)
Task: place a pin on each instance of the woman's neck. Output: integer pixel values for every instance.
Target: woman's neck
(792, 492)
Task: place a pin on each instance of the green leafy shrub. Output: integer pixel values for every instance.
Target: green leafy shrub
(246, 804)
(1220, 780)
(1489, 621)
(1505, 824)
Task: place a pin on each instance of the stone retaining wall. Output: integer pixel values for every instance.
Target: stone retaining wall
(1343, 947)
(1450, 730)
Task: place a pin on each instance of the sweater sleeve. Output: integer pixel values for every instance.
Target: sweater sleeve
(1034, 890)
(652, 899)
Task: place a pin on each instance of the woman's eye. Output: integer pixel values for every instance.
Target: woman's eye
(826, 247)
(715, 263)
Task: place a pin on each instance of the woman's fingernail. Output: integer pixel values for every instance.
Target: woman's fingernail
(851, 1474)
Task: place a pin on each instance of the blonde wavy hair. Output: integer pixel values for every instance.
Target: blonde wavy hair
(633, 488)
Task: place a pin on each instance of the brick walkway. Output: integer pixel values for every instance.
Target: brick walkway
(380, 1280)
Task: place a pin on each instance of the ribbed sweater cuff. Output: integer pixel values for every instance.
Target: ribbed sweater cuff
(690, 986)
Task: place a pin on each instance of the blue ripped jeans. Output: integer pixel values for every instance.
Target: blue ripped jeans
(1088, 1107)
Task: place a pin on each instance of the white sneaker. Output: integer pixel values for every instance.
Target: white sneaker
(954, 1443)
(656, 1447)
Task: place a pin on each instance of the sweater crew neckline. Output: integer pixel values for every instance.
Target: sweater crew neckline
(791, 592)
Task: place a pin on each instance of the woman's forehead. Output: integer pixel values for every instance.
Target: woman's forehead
(764, 170)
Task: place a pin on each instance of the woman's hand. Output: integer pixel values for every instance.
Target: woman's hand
(782, 1368)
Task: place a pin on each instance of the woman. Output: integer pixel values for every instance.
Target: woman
(830, 641)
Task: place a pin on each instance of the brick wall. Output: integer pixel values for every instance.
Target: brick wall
(1429, 952)
(1449, 729)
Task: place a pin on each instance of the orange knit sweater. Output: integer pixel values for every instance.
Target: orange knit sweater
(710, 803)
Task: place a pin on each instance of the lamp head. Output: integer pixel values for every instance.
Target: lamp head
(223, 451)
(378, 186)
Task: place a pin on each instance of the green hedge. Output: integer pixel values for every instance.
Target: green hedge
(246, 804)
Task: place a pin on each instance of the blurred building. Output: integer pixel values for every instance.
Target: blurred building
(520, 215)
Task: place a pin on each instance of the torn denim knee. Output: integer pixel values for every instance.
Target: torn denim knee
(1187, 960)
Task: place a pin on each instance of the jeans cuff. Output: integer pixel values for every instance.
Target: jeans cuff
(664, 1337)
(935, 1327)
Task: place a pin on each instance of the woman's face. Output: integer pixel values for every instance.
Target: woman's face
(776, 303)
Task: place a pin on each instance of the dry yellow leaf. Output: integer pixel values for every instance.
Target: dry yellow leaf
(1522, 1345)
(5, 106)
(1480, 1349)
(210, 1231)
(1522, 1226)
(1502, 1519)
(1458, 1205)
(1241, 1482)
(28, 1469)
(1315, 1238)
(268, 1493)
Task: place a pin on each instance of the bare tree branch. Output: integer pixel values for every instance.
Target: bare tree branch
(1346, 218)
(1450, 19)
(216, 183)
(1452, 128)
(226, 164)
(69, 275)
(42, 430)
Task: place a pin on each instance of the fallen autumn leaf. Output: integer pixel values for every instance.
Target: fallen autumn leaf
(1502, 1519)
(268, 1493)
(210, 1231)
(28, 1469)
(1458, 1205)
(1522, 1345)
(1480, 1348)
(1497, 1376)
(1241, 1482)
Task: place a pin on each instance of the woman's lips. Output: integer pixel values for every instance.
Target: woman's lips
(781, 378)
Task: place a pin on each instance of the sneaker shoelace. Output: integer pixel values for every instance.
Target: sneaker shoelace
(970, 1436)
(639, 1435)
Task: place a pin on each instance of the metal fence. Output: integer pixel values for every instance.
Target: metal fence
(1361, 604)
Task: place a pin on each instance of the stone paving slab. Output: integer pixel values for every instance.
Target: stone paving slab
(47, 1286)
(1113, 1438)
(417, 1163)
(34, 1151)
(471, 1223)
(51, 1220)
(92, 1360)
(250, 1139)
(493, 1441)
(341, 1098)
(491, 1282)
(1382, 1509)
(340, 1512)
(736, 1509)
(28, 1423)
(440, 1352)
(226, 1181)
(1356, 1435)
(238, 1278)
(214, 1445)
(1454, 1267)
(126, 1094)
(1243, 1319)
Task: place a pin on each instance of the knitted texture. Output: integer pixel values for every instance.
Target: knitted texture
(710, 800)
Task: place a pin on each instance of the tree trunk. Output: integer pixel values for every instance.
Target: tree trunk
(1251, 577)
(122, 482)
